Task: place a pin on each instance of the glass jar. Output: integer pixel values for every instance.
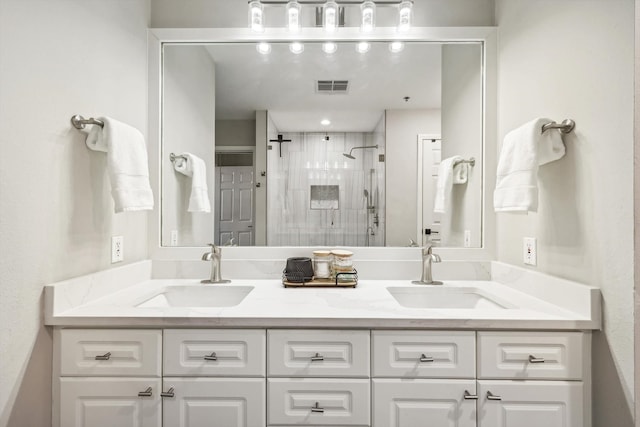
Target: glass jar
(342, 264)
(322, 264)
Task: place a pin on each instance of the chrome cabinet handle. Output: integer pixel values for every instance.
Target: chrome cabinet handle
(491, 396)
(317, 408)
(212, 356)
(146, 393)
(469, 396)
(105, 356)
(533, 359)
(316, 358)
(168, 393)
(424, 358)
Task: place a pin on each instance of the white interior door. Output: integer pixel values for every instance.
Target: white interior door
(234, 205)
(429, 157)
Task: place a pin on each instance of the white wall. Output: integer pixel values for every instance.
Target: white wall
(574, 59)
(188, 126)
(402, 128)
(235, 132)
(59, 58)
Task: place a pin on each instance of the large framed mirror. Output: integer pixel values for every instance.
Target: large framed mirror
(333, 146)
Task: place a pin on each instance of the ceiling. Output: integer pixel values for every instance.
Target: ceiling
(285, 84)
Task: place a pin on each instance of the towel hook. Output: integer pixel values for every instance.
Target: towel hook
(80, 122)
(565, 127)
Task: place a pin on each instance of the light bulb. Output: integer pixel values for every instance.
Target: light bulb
(264, 48)
(296, 47)
(396, 47)
(329, 47)
(363, 47)
(293, 15)
(256, 16)
(368, 11)
(404, 22)
(330, 11)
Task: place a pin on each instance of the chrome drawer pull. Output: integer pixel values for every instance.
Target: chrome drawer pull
(424, 358)
(105, 356)
(317, 408)
(491, 396)
(212, 356)
(470, 396)
(168, 393)
(146, 393)
(316, 358)
(533, 359)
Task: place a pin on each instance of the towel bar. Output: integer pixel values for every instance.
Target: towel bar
(565, 127)
(471, 161)
(80, 122)
(174, 157)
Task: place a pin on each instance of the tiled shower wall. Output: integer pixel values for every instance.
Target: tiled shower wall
(311, 160)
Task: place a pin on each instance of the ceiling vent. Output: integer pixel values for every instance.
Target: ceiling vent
(332, 86)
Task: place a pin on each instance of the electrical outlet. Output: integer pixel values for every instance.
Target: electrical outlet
(530, 251)
(117, 249)
(467, 238)
(174, 238)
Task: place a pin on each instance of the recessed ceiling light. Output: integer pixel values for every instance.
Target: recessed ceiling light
(296, 47)
(264, 48)
(329, 47)
(396, 47)
(325, 122)
(363, 47)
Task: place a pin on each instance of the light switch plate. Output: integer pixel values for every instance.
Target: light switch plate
(530, 251)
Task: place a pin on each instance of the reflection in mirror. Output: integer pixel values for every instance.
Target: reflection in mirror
(319, 149)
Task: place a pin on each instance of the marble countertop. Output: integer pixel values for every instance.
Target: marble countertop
(270, 305)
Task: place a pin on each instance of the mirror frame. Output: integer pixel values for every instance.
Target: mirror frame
(156, 37)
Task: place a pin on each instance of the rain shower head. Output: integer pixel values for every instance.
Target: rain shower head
(350, 155)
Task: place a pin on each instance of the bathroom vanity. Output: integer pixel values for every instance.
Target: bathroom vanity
(134, 351)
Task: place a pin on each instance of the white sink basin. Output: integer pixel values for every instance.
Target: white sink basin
(198, 296)
(444, 297)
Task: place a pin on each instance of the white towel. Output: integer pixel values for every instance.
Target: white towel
(444, 184)
(127, 164)
(524, 149)
(460, 173)
(196, 168)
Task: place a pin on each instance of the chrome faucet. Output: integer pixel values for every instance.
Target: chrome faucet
(428, 257)
(214, 256)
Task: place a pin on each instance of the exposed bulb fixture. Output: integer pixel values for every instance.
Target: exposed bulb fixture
(329, 47)
(264, 48)
(404, 22)
(396, 47)
(368, 12)
(363, 47)
(296, 47)
(293, 15)
(256, 16)
(330, 14)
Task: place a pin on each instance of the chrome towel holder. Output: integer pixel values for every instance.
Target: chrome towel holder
(173, 157)
(565, 127)
(80, 122)
(471, 162)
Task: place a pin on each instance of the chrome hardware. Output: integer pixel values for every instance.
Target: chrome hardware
(212, 356)
(317, 408)
(533, 359)
(491, 396)
(317, 357)
(215, 256)
(565, 127)
(428, 257)
(105, 356)
(168, 393)
(80, 122)
(146, 393)
(424, 358)
(469, 396)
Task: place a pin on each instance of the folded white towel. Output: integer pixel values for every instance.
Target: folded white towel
(196, 168)
(127, 164)
(444, 184)
(524, 149)
(460, 173)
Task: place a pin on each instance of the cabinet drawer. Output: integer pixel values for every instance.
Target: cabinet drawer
(531, 355)
(315, 353)
(227, 352)
(424, 354)
(107, 352)
(322, 401)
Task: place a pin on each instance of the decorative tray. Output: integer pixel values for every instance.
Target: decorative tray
(342, 280)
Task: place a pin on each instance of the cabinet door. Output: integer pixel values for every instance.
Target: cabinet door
(530, 404)
(108, 402)
(200, 402)
(419, 403)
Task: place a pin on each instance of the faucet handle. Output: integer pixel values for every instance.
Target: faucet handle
(214, 248)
